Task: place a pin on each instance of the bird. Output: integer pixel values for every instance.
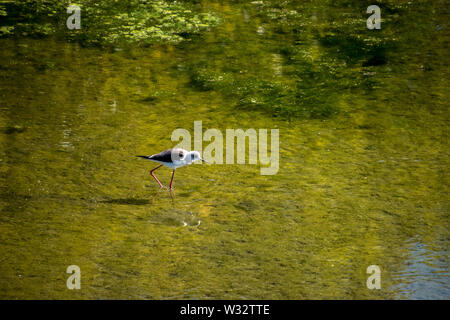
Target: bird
(173, 159)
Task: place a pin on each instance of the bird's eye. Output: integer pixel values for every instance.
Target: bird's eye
(181, 154)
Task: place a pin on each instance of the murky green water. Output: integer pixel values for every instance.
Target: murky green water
(365, 184)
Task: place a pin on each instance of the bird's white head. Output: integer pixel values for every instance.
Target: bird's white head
(194, 156)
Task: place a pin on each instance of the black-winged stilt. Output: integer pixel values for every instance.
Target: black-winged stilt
(173, 159)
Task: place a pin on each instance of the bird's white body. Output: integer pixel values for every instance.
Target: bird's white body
(174, 164)
(170, 165)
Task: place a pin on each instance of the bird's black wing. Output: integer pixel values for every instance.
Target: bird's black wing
(167, 156)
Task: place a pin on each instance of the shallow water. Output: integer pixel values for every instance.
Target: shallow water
(365, 186)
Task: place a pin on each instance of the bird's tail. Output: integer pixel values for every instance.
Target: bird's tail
(145, 157)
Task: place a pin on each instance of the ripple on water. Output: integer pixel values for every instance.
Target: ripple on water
(425, 275)
(175, 217)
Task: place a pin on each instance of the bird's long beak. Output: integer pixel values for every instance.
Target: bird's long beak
(205, 161)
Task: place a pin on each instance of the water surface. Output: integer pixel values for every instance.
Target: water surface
(362, 183)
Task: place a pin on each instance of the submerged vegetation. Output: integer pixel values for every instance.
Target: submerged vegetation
(294, 59)
(318, 53)
(108, 22)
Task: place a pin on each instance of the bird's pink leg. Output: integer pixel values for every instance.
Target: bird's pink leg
(171, 181)
(151, 172)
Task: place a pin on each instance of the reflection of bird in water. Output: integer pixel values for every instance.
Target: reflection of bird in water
(173, 159)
